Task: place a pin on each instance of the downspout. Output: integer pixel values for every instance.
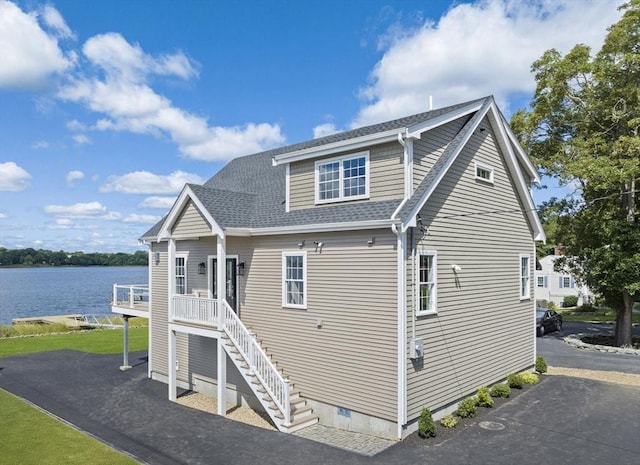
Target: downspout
(401, 323)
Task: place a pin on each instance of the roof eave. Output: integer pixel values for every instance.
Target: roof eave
(340, 146)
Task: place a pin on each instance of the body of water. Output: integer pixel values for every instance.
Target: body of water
(29, 292)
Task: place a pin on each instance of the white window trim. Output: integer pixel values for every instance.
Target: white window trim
(541, 280)
(486, 168)
(434, 310)
(341, 159)
(186, 273)
(285, 254)
(527, 294)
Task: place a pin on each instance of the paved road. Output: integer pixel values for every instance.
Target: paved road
(558, 353)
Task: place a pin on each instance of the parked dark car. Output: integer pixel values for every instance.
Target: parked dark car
(547, 321)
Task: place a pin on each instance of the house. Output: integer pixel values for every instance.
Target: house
(554, 286)
(366, 274)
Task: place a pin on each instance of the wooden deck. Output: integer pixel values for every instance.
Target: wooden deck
(70, 321)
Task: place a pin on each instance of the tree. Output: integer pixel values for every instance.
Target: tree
(584, 129)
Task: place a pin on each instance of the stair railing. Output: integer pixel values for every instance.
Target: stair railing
(259, 364)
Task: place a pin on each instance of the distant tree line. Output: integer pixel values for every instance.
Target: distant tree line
(40, 257)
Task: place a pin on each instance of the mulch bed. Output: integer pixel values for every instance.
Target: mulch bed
(444, 434)
(607, 340)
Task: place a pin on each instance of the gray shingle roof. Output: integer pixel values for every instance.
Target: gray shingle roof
(249, 192)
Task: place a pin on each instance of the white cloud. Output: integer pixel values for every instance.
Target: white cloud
(477, 49)
(13, 177)
(142, 219)
(62, 223)
(144, 182)
(157, 202)
(41, 144)
(81, 139)
(29, 55)
(128, 103)
(3, 216)
(78, 210)
(54, 20)
(75, 125)
(73, 176)
(325, 129)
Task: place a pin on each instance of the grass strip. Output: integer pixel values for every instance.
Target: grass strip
(95, 341)
(30, 436)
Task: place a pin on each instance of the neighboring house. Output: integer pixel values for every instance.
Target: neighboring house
(366, 274)
(554, 286)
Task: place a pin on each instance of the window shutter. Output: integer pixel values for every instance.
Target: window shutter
(573, 282)
(545, 282)
(560, 282)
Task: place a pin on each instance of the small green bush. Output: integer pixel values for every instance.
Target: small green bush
(426, 425)
(467, 408)
(541, 364)
(514, 380)
(483, 398)
(500, 390)
(587, 308)
(529, 378)
(570, 301)
(449, 421)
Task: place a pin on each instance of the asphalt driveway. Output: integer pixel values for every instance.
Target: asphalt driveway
(562, 420)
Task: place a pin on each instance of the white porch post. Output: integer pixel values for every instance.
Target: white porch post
(222, 378)
(221, 285)
(125, 344)
(172, 365)
(221, 278)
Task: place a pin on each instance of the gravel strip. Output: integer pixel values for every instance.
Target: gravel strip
(199, 401)
(607, 376)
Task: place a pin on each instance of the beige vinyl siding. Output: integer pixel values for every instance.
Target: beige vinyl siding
(350, 361)
(385, 181)
(159, 308)
(482, 330)
(191, 223)
(430, 146)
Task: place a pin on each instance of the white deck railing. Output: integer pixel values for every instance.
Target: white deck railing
(197, 310)
(128, 295)
(259, 364)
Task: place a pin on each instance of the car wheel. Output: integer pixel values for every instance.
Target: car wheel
(558, 325)
(541, 331)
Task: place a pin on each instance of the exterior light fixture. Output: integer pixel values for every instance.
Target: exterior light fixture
(202, 266)
(241, 268)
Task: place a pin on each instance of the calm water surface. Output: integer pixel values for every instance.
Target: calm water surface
(27, 292)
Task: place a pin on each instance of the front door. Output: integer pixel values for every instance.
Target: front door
(231, 291)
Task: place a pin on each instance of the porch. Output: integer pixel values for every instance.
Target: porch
(130, 300)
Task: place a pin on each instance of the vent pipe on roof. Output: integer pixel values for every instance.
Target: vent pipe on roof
(430, 102)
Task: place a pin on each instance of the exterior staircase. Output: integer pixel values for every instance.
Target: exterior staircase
(283, 403)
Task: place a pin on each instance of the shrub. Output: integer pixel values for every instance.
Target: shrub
(449, 421)
(541, 364)
(552, 306)
(587, 308)
(483, 398)
(500, 390)
(529, 378)
(426, 425)
(514, 380)
(570, 301)
(467, 408)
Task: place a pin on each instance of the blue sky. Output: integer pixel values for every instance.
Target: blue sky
(108, 107)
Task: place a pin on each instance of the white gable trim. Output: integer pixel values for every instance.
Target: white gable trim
(181, 202)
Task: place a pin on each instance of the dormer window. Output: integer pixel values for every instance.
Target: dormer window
(342, 178)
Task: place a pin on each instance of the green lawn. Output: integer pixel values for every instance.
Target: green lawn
(97, 341)
(30, 436)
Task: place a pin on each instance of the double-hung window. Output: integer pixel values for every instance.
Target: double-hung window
(566, 282)
(426, 280)
(181, 275)
(342, 178)
(524, 277)
(294, 279)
